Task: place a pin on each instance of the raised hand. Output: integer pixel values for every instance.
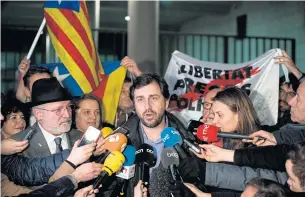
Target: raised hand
(81, 154)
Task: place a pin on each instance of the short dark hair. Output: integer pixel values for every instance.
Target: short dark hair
(146, 79)
(293, 81)
(267, 188)
(12, 105)
(34, 70)
(76, 102)
(297, 157)
(174, 97)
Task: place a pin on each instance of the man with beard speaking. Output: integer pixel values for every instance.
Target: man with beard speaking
(150, 96)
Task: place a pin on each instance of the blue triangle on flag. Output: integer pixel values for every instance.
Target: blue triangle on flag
(61, 4)
(68, 82)
(110, 66)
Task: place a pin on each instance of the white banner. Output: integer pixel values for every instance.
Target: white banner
(190, 79)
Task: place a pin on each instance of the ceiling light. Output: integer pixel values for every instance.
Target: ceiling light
(127, 18)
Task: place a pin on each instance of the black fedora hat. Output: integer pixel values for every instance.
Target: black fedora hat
(48, 90)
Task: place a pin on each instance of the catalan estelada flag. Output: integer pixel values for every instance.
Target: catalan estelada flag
(69, 28)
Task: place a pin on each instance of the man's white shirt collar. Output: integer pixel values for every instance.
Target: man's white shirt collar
(50, 140)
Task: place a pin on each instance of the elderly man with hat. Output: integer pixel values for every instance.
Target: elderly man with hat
(52, 109)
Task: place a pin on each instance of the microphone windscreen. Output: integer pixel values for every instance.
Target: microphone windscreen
(113, 162)
(207, 133)
(106, 131)
(159, 182)
(130, 155)
(170, 137)
(169, 156)
(115, 142)
(145, 154)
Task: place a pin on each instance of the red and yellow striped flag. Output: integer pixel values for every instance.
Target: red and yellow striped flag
(69, 28)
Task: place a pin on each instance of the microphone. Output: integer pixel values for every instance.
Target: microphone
(210, 133)
(112, 164)
(116, 142)
(128, 169)
(106, 131)
(145, 159)
(170, 160)
(172, 138)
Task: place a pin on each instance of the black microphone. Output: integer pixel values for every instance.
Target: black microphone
(233, 136)
(145, 159)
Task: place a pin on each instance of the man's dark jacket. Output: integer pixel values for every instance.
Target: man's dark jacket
(270, 157)
(60, 188)
(135, 138)
(31, 171)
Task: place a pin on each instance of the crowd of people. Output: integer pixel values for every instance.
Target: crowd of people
(42, 125)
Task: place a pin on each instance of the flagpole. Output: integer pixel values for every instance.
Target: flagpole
(40, 31)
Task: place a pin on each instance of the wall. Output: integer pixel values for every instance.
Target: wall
(266, 19)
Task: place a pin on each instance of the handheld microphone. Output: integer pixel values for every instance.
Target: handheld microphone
(170, 160)
(145, 159)
(106, 131)
(209, 133)
(112, 164)
(172, 138)
(128, 169)
(116, 142)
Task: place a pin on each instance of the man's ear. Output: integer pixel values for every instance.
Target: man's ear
(37, 113)
(166, 103)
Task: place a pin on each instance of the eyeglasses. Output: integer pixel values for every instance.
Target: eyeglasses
(207, 105)
(288, 95)
(60, 110)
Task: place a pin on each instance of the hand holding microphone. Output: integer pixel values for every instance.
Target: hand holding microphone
(262, 138)
(210, 133)
(140, 190)
(213, 153)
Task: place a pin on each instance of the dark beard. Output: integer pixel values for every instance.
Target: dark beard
(154, 123)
